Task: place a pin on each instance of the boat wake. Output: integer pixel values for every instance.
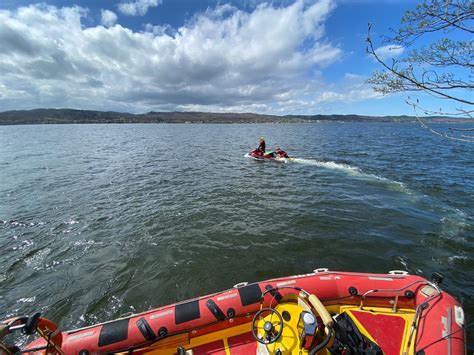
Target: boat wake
(353, 171)
(349, 170)
(456, 225)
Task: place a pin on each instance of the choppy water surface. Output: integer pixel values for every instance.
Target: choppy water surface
(100, 220)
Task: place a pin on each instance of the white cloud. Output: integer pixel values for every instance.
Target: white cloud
(160, 30)
(389, 51)
(137, 7)
(353, 89)
(317, 97)
(351, 76)
(349, 96)
(222, 59)
(109, 18)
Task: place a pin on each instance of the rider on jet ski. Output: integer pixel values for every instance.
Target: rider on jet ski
(281, 153)
(261, 147)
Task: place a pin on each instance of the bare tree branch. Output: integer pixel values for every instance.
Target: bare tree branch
(459, 111)
(407, 75)
(461, 138)
(431, 16)
(443, 69)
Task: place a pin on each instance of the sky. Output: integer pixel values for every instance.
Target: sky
(275, 57)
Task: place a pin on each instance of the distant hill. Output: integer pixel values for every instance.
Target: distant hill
(63, 116)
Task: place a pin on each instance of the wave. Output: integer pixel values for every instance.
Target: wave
(349, 170)
(14, 223)
(353, 171)
(458, 258)
(456, 225)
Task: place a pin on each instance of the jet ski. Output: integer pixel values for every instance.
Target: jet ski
(277, 155)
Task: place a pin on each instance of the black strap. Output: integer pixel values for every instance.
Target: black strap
(145, 329)
(274, 292)
(215, 310)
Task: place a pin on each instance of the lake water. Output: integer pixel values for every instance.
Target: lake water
(100, 220)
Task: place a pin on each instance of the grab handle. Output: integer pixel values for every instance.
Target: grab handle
(241, 284)
(321, 310)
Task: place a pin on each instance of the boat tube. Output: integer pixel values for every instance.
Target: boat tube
(322, 312)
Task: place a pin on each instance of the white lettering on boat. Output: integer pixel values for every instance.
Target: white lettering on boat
(162, 314)
(304, 275)
(80, 336)
(279, 284)
(380, 278)
(444, 322)
(221, 298)
(327, 278)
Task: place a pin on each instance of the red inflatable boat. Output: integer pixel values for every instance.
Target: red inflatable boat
(323, 312)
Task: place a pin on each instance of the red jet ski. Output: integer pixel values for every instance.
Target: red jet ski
(278, 155)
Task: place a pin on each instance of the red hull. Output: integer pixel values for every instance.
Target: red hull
(255, 155)
(277, 154)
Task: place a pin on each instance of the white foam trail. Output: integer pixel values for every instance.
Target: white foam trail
(352, 171)
(455, 225)
(328, 165)
(26, 300)
(455, 258)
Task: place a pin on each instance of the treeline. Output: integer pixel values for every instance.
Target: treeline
(64, 116)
